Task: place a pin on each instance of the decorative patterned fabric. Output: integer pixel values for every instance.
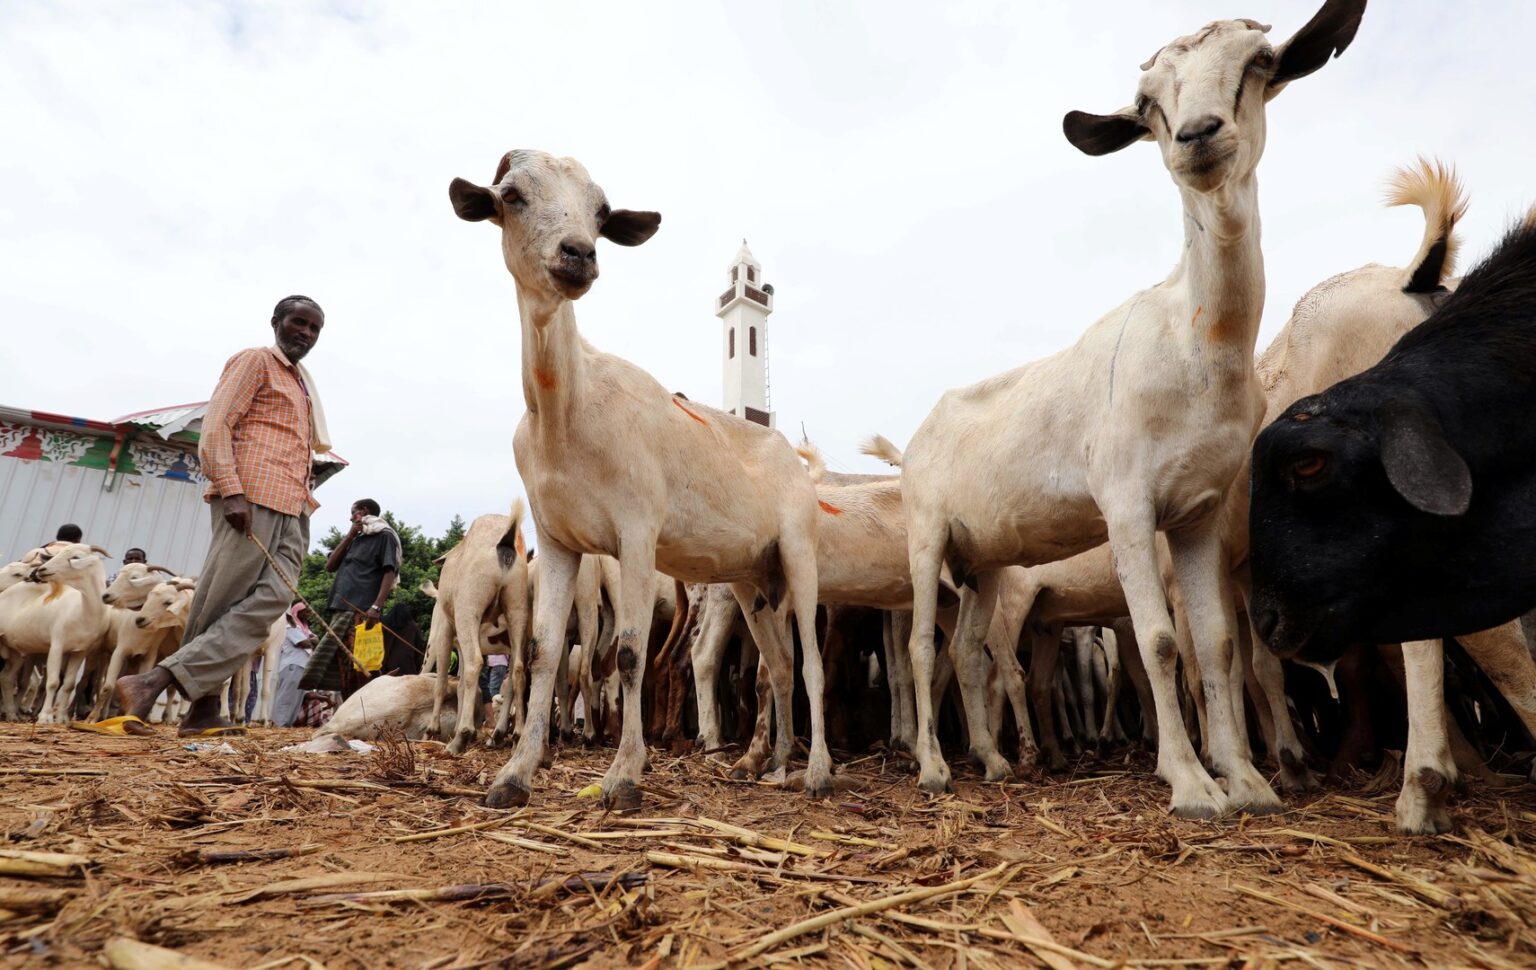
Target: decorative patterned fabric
(256, 434)
(148, 458)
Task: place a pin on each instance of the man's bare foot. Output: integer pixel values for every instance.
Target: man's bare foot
(136, 694)
(202, 716)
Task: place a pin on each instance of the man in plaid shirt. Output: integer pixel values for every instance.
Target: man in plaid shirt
(259, 431)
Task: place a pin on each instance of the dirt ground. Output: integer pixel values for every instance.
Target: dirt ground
(1079, 870)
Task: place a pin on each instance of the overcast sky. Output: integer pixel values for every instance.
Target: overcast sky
(171, 169)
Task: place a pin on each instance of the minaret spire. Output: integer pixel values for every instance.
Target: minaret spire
(744, 309)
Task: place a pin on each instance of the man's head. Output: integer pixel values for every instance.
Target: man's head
(69, 532)
(296, 325)
(364, 506)
(134, 555)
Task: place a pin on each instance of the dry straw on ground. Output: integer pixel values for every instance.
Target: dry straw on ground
(139, 853)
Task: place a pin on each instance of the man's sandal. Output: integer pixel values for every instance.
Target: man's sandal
(125, 726)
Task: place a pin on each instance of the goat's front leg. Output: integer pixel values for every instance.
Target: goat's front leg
(53, 677)
(439, 645)
(1503, 655)
(1132, 540)
(1429, 770)
(1295, 776)
(637, 599)
(551, 608)
(1198, 564)
(104, 695)
(1044, 658)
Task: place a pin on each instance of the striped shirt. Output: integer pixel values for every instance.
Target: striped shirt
(256, 434)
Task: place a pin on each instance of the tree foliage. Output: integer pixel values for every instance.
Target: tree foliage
(417, 550)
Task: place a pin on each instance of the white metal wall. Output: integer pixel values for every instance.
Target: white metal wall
(165, 517)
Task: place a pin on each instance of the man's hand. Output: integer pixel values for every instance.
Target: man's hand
(237, 512)
(372, 617)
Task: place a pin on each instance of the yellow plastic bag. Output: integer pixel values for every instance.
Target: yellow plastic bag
(368, 646)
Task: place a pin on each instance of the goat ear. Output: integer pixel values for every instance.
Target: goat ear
(1421, 464)
(1102, 134)
(1326, 35)
(471, 202)
(629, 228)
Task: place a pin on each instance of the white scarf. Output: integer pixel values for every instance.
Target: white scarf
(374, 523)
(320, 435)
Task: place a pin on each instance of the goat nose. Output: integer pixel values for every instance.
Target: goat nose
(1199, 128)
(578, 250)
(1264, 624)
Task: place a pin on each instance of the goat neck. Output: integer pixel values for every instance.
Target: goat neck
(1223, 265)
(553, 359)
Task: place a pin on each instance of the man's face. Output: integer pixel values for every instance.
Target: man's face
(358, 512)
(298, 330)
(134, 555)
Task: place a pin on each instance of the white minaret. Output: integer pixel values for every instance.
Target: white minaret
(744, 351)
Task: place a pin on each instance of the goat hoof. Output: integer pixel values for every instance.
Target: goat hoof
(507, 794)
(936, 783)
(1295, 777)
(460, 742)
(498, 739)
(622, 796)
(547, 760)
(820, 792)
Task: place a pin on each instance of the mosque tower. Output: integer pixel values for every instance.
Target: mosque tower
(744, 309)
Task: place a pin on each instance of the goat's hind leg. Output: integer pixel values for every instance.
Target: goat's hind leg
(971, 668)
(775, 686)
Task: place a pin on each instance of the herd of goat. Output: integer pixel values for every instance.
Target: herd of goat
(1155, 504)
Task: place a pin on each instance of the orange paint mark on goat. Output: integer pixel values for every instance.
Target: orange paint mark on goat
(688, 412)
(54, 592)
(829, 508)
(545, 378)
(1196, 318)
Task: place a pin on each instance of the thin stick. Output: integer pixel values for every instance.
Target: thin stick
(439, 833)
(340, 643)
(863, 909)
(1349, 928)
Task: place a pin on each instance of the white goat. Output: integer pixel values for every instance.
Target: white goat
(484, 577)
(148, 634)
(697, 493)
(61, 616)
(1138, 428)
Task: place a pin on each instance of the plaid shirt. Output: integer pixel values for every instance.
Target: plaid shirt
(256, 434)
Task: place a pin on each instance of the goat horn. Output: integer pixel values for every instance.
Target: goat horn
(101, 552)
(160, 569)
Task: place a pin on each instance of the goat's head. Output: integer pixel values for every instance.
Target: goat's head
(13, 573)
(1356, 497)
(69, 562)
(166, 606)
(550, 213)
(133, 583)
(1202, 97)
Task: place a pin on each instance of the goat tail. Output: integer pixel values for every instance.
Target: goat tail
(881, 447)
(814, 463)
(512, 548)
(1434, 187)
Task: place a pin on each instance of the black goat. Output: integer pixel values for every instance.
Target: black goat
(1400, 504)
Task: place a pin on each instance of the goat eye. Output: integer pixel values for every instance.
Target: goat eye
(1309, 467)
(511, 196)
(1142, 102)
(1263, 59)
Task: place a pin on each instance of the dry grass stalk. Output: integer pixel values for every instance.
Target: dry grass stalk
(1427, 890)
(863, 909)
(310, 884)
(16, 862)
(1338, 924)
(530, 844)
(459, 830)
(14, 899)
(218, 857)
(125, 954)
(1031, 932)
